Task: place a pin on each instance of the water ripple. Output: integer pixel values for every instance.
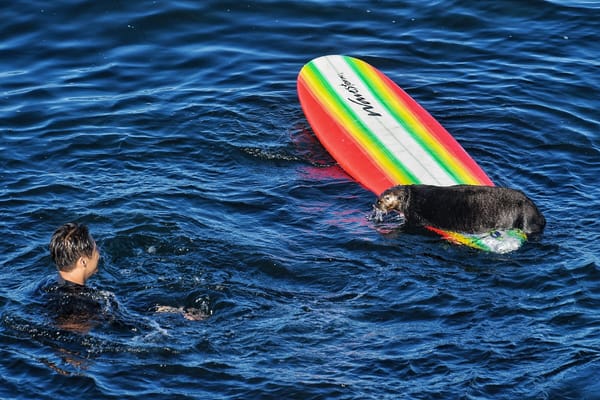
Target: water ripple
(174, 131)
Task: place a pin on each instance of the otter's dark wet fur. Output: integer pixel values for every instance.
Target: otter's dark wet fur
(463, 208)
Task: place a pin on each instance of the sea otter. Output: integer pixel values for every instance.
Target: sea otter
(463, 208)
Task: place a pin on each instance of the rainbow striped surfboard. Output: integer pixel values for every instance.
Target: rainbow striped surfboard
(382, 137)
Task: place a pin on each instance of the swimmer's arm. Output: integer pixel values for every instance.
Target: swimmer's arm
(192, 314)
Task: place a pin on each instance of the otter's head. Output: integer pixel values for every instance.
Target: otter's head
(392, 199)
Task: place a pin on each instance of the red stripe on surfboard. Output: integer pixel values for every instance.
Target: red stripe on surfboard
(340, 143)
(438, 131)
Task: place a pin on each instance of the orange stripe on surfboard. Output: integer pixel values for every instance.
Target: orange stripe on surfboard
(332, 110)
(375, 179)
(421, 124)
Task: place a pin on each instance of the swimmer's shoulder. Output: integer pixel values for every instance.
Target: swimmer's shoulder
(64, 297)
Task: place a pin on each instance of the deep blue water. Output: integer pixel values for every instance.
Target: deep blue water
(172, 129)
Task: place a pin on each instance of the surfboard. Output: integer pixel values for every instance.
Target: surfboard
(382, 137)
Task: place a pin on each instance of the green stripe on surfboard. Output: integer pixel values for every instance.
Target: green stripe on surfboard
(366, 133)
(418, 137)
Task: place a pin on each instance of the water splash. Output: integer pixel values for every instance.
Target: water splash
(379, 216)
(376, 215)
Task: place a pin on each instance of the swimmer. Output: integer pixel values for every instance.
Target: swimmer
(75, 306)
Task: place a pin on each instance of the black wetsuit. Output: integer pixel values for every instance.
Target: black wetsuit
(77, 307)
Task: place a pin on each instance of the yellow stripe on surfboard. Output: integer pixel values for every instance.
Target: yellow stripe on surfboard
(348, 119)
(407, 118)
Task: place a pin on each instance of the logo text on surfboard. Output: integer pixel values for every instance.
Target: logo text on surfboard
(358, 98)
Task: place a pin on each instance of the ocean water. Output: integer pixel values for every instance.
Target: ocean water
(173, 130)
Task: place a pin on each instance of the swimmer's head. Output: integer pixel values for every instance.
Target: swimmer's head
(69, 243)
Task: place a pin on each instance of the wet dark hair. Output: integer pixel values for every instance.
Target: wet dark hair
(68, 243)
